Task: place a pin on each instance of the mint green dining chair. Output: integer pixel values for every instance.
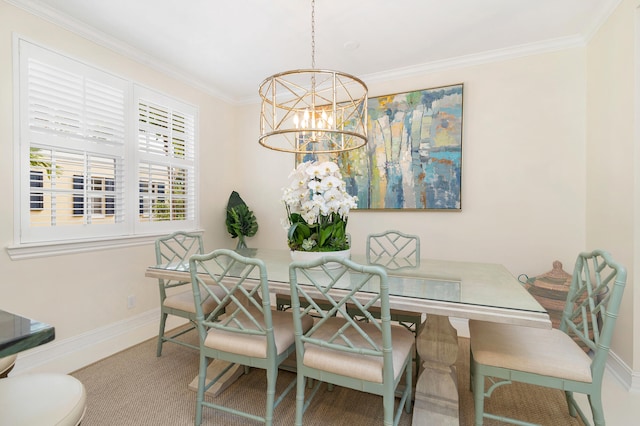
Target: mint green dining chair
(502, 353)
(396, 250)
(283, 301)
(176, 297)
(393, 250)
(242, 329)
(370, 356)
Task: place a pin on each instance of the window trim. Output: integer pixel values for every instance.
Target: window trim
(135, 234)
(59, 248)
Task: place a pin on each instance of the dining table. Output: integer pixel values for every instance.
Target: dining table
(18, 333)
(440, 289)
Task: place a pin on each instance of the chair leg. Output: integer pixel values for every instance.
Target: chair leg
(272, 377)
(470, 372)
(300, 385)
(569, 397)
(388, 401)
(163, 321)
(595, 400)
(202, 376)
(409, 383)
(478, 397)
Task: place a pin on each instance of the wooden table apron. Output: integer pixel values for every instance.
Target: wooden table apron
(436, 393)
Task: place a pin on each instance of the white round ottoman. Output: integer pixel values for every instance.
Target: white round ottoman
(6, 364)
(42, 399)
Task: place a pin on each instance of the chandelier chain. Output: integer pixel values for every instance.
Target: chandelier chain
(313, 34)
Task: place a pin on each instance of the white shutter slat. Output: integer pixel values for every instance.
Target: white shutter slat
(62, 101)
(54, 97)
(105, 112)
(165, 132)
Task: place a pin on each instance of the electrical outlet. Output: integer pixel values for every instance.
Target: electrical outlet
(131, 302)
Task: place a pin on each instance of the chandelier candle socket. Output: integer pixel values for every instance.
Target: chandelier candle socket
(317, 207)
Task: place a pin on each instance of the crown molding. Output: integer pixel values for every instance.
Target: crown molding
(466, 61)
(51, 15)
(606, 8)
(479, 58)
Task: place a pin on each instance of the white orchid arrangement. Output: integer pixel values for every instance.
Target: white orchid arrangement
(317, 206)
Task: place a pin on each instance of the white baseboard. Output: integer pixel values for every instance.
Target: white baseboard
(68, 355)
(628, 378)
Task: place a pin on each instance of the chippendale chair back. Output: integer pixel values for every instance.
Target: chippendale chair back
(393, 250)
(550, 357)
(242, 329)
(339, 349)
(173, 252)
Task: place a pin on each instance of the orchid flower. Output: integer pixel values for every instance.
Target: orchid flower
(317, 205)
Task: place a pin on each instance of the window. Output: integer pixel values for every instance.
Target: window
(91, 144)
(109, 199)
(36, 198)
(102, 202)
(78, 197)
(151, 203)
(166, 168)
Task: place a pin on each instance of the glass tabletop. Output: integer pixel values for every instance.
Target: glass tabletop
(18, 333)
(469, 283)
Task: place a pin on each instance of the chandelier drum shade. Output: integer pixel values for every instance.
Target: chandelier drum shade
(313, 110)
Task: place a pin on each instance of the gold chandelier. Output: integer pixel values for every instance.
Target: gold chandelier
(313, 111)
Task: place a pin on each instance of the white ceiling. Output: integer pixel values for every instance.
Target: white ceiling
(228, 47)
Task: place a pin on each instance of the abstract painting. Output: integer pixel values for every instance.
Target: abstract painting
(413, 159)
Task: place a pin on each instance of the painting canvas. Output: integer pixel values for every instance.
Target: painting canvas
(413, 159)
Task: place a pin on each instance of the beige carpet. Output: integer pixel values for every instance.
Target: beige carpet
(135, 387)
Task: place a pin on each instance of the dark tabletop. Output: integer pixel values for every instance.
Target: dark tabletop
(18, 333)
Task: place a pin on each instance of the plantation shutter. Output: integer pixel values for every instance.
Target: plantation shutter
(166, 169)
(73, 133)
(100, 156)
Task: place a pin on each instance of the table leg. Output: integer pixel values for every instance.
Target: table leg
(216, 367)
(436, 396)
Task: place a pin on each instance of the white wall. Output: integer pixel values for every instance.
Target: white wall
(85, 295)
(523, 173)
(613, 160)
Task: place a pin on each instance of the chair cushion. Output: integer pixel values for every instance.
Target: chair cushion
(254, 345)
(42, 399)
(7, 363)
(548, 352)
(362, 367)
(185, 302)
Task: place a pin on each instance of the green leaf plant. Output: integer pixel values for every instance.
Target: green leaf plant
(241, 222)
